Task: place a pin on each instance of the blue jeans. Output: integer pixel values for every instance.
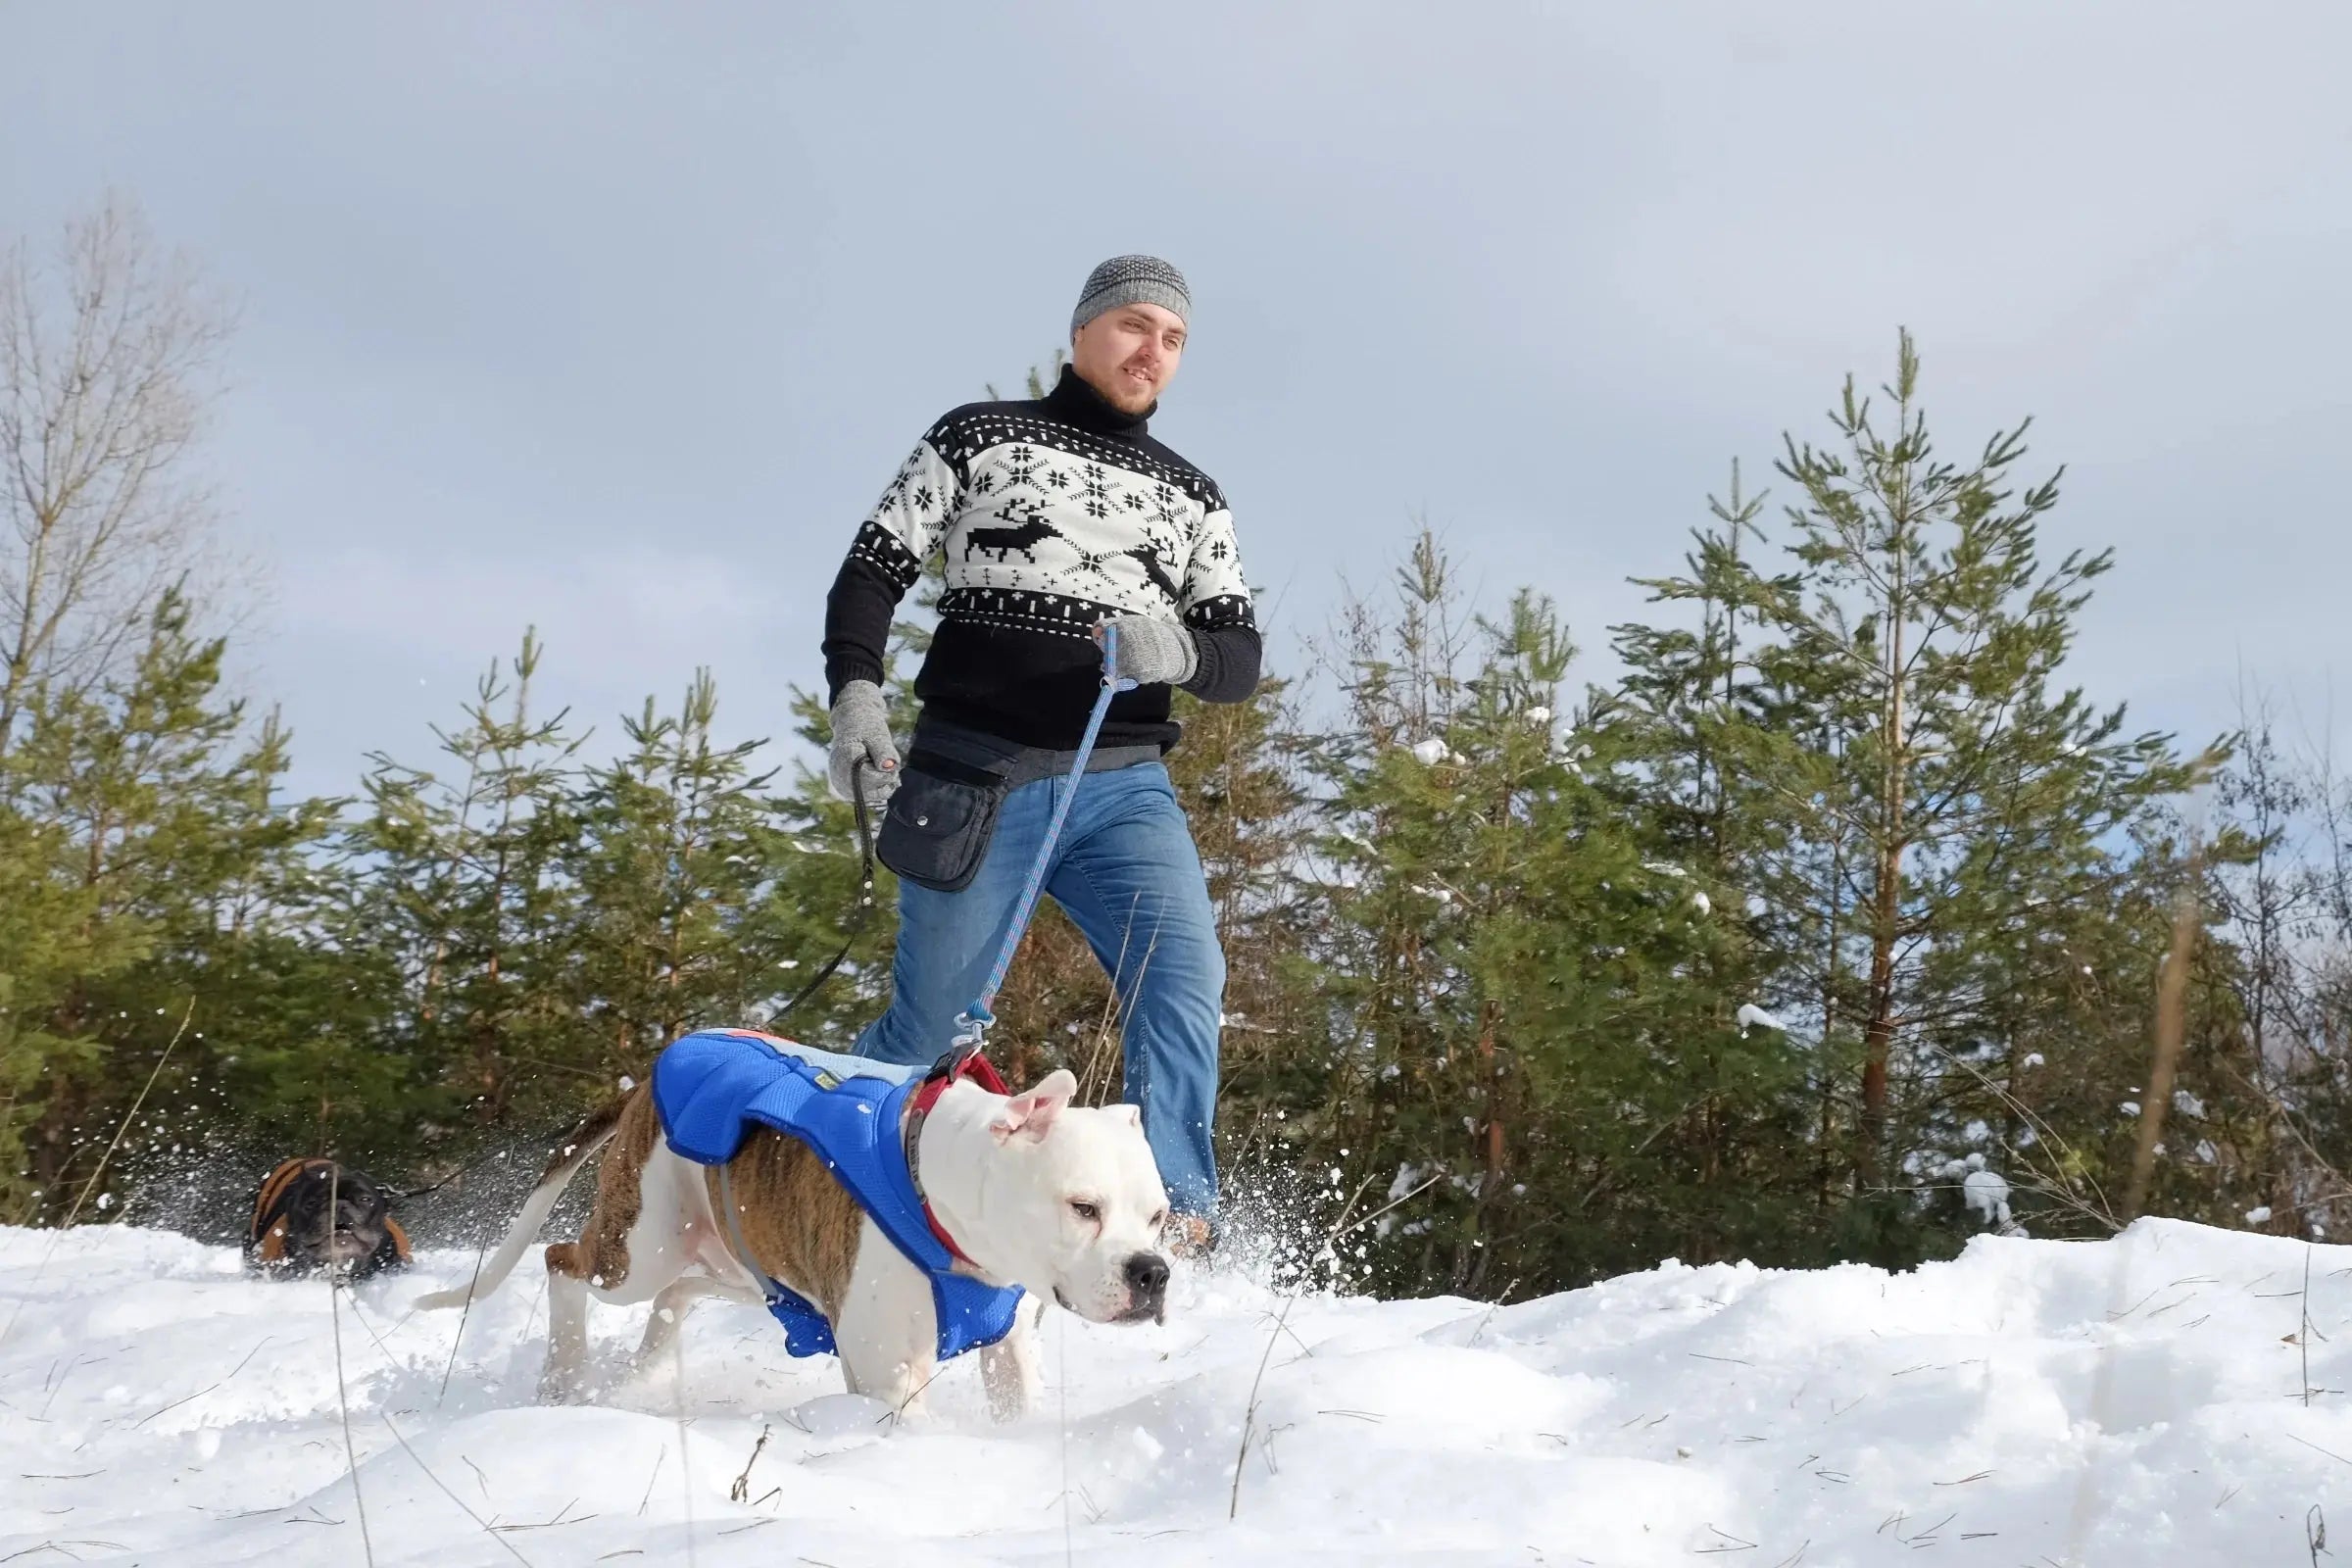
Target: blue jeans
(1127, 876)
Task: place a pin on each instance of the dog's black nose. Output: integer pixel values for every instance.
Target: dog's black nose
(1147, 1274)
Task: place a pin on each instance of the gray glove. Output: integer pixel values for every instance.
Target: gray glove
(1154, 653)
(861, 734)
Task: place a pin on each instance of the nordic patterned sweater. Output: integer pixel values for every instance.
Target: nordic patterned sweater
(1054, 514)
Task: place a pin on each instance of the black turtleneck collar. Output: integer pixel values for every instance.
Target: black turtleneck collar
(1074, 401)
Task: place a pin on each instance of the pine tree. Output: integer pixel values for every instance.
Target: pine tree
(1527, 1055)
(2280, 1086)
(143, 834)
(464, 892)
(1928, 760)
(1367, 1093)
(1236, 775)
(1681, 721)
(677, 863)
(50, 942)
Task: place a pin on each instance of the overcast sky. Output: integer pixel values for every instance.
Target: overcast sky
(616, 320)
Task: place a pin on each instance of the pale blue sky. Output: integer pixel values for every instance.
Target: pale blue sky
(617, 320)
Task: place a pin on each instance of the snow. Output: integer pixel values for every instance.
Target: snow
(1750, 1013)
(1986, 1194)
(2128, 1400)
(1698, 898)
(2032, 1058)
(2259, 1216)
(1430, 751)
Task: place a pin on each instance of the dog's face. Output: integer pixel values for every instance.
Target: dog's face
(1076, 1213)
(335, 1218)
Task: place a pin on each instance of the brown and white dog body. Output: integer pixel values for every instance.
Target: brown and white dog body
(1063, 1202)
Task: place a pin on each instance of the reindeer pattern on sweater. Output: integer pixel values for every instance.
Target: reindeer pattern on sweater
(1048, 528)
(1049, 515)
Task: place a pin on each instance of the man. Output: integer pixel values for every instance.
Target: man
(1058, 516)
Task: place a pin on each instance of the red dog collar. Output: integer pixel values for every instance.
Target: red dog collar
(954, 1068)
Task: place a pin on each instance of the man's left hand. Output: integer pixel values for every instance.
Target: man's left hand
(1152, 653)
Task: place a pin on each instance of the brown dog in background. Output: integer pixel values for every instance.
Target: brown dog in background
(313, 1216)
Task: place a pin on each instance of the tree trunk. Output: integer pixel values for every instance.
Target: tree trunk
(1491, 1018)
(1833, 935)
(1878, 1029)
(1878, 1032)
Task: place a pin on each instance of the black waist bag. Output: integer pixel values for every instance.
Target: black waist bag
(941, 819)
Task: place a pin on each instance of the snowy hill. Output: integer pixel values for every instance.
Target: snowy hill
(2137, 1401)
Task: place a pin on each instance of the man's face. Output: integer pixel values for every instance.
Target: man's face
(1129, 354)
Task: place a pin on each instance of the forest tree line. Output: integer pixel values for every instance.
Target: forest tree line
(1839, 925)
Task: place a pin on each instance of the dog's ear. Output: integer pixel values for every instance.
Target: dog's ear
(1132, 1116)
(1032, 1114)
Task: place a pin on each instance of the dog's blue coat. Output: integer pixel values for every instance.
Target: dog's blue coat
(709, 1084)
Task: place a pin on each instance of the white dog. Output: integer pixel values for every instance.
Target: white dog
(1022, 1192)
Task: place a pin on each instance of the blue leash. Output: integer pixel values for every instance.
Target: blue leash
(972, 1025)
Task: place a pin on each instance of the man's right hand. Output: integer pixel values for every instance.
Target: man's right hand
(861, 734)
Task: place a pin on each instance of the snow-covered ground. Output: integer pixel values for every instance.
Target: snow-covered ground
(2135, 1402)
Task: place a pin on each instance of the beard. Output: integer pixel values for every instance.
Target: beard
(1130, 396)
(1114, 386)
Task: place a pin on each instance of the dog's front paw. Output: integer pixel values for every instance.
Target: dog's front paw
(1004, 1412)
(1009, 1369)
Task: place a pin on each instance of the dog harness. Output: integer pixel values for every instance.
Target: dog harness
(707, 1086)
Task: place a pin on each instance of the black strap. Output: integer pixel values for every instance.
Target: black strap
(866, 895)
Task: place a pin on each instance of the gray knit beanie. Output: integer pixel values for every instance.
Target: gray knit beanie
(1132, 280)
